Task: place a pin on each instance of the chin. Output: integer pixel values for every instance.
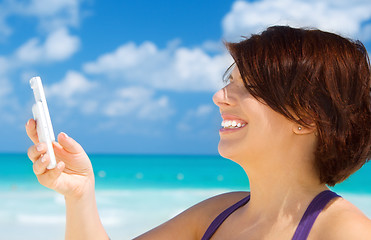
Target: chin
(227, 151)
(237, 154)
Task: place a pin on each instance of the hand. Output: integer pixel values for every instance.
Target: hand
(73, 176)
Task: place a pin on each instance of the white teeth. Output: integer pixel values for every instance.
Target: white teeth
(232, 124)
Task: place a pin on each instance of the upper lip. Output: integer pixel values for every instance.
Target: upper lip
(227, 116)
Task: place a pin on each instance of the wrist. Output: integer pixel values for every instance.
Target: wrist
(82, 193)
(82, 217)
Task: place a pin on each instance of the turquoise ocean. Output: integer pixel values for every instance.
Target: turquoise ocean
(134, 192)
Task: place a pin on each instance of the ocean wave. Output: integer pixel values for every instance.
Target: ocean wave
(124, 212)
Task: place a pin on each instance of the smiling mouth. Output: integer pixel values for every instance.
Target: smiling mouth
(232, 124)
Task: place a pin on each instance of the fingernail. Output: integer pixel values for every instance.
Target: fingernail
(56, 144)
(65, 135)
(43, 159)
(28, 122)
(59, 165)
(39, 147)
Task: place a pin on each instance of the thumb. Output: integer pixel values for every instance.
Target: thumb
(69, 144)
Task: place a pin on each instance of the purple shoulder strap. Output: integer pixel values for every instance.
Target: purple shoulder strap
(305, 224)
(221, 218)
(311, 214)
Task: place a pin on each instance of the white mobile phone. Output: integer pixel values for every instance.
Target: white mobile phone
(43, 123)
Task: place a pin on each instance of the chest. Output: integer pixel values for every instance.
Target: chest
(233, 229)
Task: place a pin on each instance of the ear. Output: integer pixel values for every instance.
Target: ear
(301, 130)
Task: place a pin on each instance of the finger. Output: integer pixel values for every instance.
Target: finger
(59, 151)
(39, 166)
(69, 144)
(34, 152)
(31, 131)
(49, 178)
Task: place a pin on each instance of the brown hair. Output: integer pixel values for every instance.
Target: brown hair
(311, 76)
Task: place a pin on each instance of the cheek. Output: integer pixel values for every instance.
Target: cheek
(259, 141)
(265, 134)
(271, 133)
(243, 144)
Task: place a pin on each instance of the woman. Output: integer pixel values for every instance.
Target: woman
(296, 117)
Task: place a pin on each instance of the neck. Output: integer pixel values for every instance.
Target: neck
(283, 186)
(279, 195)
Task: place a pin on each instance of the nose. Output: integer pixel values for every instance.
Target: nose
(221, 98)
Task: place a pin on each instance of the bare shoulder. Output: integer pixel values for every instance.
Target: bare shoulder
(220, 202)
(193, 222)
(206, 211)
(342, 220)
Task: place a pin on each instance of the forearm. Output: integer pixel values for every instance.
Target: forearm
(82, 219)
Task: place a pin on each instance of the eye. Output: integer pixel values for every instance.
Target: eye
(227, 76)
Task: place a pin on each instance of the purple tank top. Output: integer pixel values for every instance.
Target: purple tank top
(305, 224)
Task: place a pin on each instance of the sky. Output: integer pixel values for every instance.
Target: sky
(137, 77)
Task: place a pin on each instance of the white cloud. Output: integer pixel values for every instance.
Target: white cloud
(54, 7)
(58, 46)
(6, 10)
(345, 17)
(213, 46)
(61, 45)
(138, 102)
(127, 100)
(5, 90)
(73, 83)
(195, 117)
(125, 57)
(75, 94)
(51, 14)
(30, 51)
(203, 110)
(4, 65)
(75, 91)
(11, 110)
(172, 68)
(5, 30)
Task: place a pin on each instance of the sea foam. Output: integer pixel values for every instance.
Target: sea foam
(125, 213)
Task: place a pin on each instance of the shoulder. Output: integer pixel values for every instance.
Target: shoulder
(193, 222)
(207, 210)
(342, 220)
(215, 205)
(221, 201)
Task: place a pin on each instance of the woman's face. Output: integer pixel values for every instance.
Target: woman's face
(250, 129)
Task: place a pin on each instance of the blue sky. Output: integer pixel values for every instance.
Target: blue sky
(138, 76)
